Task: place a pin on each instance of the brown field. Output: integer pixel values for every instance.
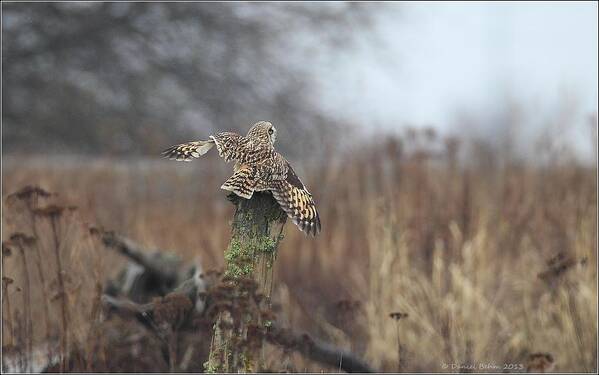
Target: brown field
(493, 260)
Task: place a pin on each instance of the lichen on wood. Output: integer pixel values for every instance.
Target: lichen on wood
(249, 259)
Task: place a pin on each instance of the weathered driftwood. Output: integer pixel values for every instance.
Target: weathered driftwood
(256, 232)
(148, 274)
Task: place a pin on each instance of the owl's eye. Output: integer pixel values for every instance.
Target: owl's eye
(270, 131)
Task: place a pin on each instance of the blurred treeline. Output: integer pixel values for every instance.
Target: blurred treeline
(128, 78)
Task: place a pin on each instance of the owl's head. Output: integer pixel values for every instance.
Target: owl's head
(264, 131)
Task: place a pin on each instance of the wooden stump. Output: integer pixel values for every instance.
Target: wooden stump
(247, 284)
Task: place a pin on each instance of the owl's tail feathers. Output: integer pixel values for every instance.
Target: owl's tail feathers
(241, 183)
(187, 151)
(299, 206)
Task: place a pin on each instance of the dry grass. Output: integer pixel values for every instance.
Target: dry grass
(464, 251)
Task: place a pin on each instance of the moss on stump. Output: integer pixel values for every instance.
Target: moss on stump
(256, 231)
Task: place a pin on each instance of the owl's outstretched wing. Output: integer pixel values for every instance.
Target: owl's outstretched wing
(227, 144)
(297, 202)
(187, 151)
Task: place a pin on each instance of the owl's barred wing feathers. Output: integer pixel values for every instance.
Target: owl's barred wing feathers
(299, 206)
(187, 151)
(242, 183)
(297, 202)
(227, 144)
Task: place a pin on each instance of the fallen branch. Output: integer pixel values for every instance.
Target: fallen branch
(135, 253)
(149, 273)
(316, 350)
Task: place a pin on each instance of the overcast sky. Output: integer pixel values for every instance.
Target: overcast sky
(437, 59)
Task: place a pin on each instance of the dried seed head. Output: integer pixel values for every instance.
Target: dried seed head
(51, 211)
(346, 305)
(29, 192)
(540, 362)
(172, 309)
(217, 307)
(398, 315)
(6, 251)
(557, 266)
(95, 231)
(248, 284)
(228, 279)
(22, 239)
(557, 258)
(225, 287)
(267, 315)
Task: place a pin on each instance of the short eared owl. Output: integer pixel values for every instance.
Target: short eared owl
(258, 167)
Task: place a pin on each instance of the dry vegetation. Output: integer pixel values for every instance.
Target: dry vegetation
(423, 262)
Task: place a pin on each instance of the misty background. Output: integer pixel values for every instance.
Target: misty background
(126, 79)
